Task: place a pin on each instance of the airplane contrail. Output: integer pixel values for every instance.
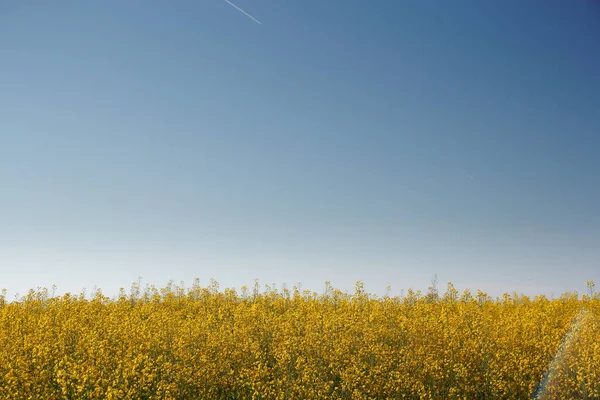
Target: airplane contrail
(243, 12)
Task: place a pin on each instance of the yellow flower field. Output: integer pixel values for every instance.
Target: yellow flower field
(206, 343)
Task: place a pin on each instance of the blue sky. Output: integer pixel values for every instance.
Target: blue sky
(382, 141)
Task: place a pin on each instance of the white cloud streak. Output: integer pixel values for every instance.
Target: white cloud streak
(243, 12)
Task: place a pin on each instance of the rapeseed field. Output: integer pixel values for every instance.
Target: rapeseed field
(267, 343)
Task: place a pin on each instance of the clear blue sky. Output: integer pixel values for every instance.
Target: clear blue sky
(383, 141)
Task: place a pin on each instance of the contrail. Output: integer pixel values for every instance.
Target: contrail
(243, 12)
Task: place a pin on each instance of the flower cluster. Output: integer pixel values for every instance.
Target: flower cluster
(207, 343)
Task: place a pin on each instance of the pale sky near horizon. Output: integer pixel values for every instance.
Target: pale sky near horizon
(382, 141)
